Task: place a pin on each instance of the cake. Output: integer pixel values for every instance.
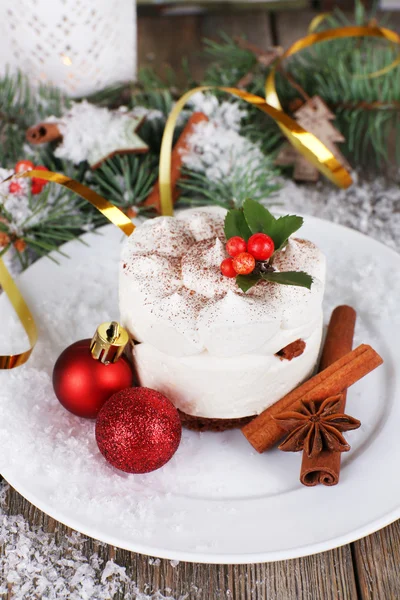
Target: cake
(220, 354)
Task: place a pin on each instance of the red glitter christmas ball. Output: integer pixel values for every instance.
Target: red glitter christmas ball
(83, 384)
(138, 430)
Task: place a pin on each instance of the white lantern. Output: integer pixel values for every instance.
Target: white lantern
(80, 46)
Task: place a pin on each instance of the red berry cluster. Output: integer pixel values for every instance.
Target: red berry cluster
(244, 255)
(37, 184)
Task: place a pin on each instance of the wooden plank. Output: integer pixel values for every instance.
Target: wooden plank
(254, 25)
(377, 564)
(292, 25)
(165, 41)
(327, 576)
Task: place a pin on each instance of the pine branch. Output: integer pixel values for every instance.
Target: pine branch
(257, 182)
(236, 61)
(126, 180)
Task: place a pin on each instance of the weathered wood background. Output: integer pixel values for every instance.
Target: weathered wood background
(367, 569)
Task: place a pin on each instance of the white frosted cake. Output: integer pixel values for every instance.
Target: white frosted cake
(211, 348)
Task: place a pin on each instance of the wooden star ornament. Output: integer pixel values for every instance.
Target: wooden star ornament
(314, 116)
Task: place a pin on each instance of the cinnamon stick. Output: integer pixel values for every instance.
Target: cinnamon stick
(181, 145)
(264, 432)
(325, 467)
(43, 133)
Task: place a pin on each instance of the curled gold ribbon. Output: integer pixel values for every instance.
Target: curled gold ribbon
(307, 143)
(111, 212)
(316, 22)
(314, 38)
(24, 315)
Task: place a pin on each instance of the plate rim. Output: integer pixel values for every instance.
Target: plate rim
(211, 558)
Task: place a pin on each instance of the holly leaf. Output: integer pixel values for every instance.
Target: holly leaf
(283, 229)
(245, 282)
(235, 224)
(258, 218)
(298, 278)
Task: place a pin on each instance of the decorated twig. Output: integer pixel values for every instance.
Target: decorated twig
(263, 57)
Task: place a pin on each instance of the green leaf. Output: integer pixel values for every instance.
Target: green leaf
(235, 224)
(245, 282)
(258, 218)
(298, 278)
(283, 228)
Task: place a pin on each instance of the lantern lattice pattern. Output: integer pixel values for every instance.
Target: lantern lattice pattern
(80, 46)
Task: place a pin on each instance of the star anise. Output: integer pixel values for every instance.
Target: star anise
(316, 427)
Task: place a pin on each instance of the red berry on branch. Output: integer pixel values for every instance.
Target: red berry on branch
(227, 268)
(261, 246)
(43, 182)
(235, 245)
(20, 245)
(36, 187)
(244, 263)
(15, 187)
(38, 183)
(23, 165)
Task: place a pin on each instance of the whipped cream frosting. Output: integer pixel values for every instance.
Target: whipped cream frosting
(174, 297)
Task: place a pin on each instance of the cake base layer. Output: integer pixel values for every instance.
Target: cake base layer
(212, 387)
(204, 424)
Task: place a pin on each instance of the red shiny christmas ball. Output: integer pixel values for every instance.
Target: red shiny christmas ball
(261, 246)
(235, 245)
(138, 430)
(244, 263)
(227, 268)
(83, 384)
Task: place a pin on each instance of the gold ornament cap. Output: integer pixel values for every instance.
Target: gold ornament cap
(109, 342)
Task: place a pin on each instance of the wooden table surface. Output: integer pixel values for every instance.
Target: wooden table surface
(366, 569)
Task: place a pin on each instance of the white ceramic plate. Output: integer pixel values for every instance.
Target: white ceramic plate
(217, 500)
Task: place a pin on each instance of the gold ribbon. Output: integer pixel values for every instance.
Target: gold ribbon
(319, 19)
(307, 143)
(111, 212)
(24, 315)
(315, 38)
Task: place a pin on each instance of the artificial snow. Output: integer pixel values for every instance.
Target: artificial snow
(372, 207)
(34, 565)
(216, 147)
